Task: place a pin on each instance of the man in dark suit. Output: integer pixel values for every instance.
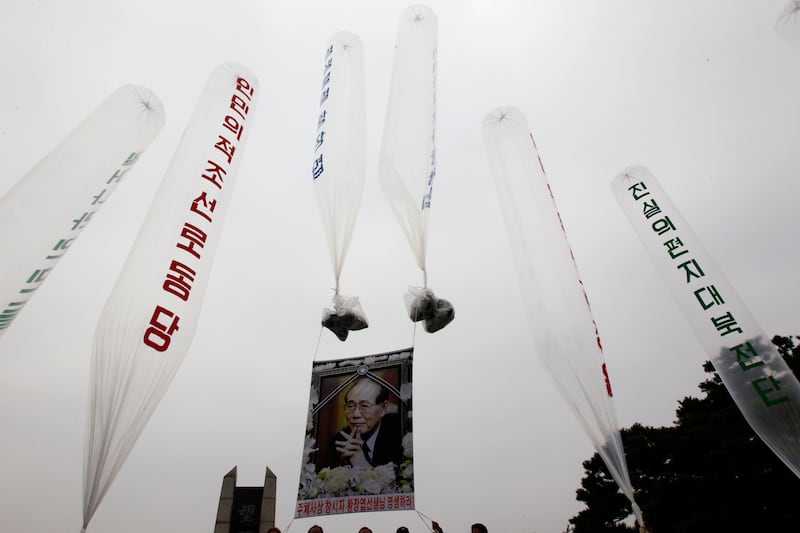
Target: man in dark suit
(372, 437)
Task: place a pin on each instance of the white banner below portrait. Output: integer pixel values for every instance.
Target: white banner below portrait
(358, 453)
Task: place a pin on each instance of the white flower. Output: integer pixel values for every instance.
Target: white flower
(308, 448)
(408, 445)
(336, 479)
(372, 486)
(313, 398)
(405, 392)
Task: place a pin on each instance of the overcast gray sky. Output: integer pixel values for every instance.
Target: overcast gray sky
(703, 93)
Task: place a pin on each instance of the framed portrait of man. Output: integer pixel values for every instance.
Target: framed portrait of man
(358, 453)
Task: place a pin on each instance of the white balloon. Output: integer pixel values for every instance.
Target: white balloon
(149, 320)
(340, 146)
(407, 161)
(48, 208)
(565, 336)
(339, 166)
(758, 379)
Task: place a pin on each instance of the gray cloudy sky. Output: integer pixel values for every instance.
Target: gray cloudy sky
(703, 93)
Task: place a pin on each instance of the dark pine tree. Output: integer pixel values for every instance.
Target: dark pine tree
(708, 472)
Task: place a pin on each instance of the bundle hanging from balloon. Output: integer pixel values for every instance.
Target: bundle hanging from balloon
(339, 166)
(407, 161)
(344, 315)
(423, 306)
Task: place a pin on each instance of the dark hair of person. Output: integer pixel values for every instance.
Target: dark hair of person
(480, 527)
(383, 394)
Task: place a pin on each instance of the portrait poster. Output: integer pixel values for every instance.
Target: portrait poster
(358, 453)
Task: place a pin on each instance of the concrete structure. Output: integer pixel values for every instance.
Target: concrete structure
(246, 509)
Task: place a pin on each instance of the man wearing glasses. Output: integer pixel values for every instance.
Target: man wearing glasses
(372, 436)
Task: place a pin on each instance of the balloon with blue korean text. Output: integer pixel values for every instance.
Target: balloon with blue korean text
(339, 166)
(407, 159)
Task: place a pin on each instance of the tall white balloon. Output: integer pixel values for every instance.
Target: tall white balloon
(564, 332)
(407, 160)
(339, 165)
(758, 379)
(48, 208)
(340, 145)
(149, 320)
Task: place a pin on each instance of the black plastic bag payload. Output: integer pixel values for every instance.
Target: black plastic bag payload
(424, 306)
(344, 315)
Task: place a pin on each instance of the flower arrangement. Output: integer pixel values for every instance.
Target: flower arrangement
(355, 480)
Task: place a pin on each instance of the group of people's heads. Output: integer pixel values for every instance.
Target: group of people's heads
(475, 528)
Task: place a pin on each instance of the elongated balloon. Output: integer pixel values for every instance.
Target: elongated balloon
(340, 147)
(149, 320)
(48, 208)
(339, 166)
(758, 379)
(407, 161)
(564, 332)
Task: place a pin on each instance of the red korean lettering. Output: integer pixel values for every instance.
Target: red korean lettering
(163, 324)
(203, 206)
(214, 173)
(244, 87)
(233, 126)
(179, 280)
(194, 237)
(226, 147)
(240, 106)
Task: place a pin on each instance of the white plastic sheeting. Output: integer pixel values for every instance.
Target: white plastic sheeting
(48, 208)
(149, 320)
(788, 23)
(407, 161)
(564, 333)
(758, 379)
(339, 165)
